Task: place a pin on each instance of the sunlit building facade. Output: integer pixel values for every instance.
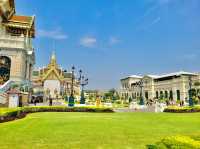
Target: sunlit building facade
(16, 51)
(173, 86)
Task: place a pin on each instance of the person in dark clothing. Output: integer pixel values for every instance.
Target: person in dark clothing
(167, 102)
(50, 101)
(35, 102)
(181, 103)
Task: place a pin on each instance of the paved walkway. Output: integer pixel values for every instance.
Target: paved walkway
(148, 109)
(120, 110)
(47, 104)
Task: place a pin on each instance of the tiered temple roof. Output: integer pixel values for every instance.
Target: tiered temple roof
(52, 71)
(16, 24)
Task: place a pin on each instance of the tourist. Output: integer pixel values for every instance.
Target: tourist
(167, 102)
(50, 101)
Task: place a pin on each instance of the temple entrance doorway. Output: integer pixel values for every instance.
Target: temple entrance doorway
(5, 64)
(53, 86)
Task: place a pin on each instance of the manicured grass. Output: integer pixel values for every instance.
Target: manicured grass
(95, 130)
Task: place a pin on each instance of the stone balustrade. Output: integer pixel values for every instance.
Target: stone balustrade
(16, 42)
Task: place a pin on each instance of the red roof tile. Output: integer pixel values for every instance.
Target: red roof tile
(23, 19)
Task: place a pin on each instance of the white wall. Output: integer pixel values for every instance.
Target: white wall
(13, 101)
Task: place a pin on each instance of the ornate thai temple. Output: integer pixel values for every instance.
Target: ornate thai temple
(52, 81)
(16, 51)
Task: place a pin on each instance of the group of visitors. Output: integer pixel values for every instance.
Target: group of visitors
(168, 102)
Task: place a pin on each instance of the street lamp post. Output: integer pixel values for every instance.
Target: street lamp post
(83, 83)
(190, 92)
(71, 98)
(65, 86)
(140, 84)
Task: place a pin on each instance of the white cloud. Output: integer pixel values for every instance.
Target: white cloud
(159, 2)
(156, 4)
(88, 41)
(152, 23)
(57, 34)
(162, 2)
(113, 40)
(189, 57)
(155, 21)
(149, 11)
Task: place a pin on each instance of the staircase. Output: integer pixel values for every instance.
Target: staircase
(3, 89)
(6, 86)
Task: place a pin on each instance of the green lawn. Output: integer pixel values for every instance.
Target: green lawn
(95, 130)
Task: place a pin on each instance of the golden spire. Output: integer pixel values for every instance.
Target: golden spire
(53, 58)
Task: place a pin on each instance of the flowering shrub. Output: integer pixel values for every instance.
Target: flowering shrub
(176, 142)
(175, 109)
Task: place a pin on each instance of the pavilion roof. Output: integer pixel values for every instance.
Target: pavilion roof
(22, 19)
(23, 22)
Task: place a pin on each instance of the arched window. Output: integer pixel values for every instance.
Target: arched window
(157, 95)
(166, 94)
(178, 95)
(171, 95)
(5, 64)
(146, 95)
(161, 95)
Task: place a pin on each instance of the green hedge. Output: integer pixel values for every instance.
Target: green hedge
(7, 114)
(175, 109)
(176, 142)
(9, 111)
(65, 109)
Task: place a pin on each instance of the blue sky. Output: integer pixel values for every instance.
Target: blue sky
(110, 39)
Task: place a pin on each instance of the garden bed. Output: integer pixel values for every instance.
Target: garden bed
(7, 114)
(188, 109)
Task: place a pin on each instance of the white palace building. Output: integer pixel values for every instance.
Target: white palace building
(174, 86)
